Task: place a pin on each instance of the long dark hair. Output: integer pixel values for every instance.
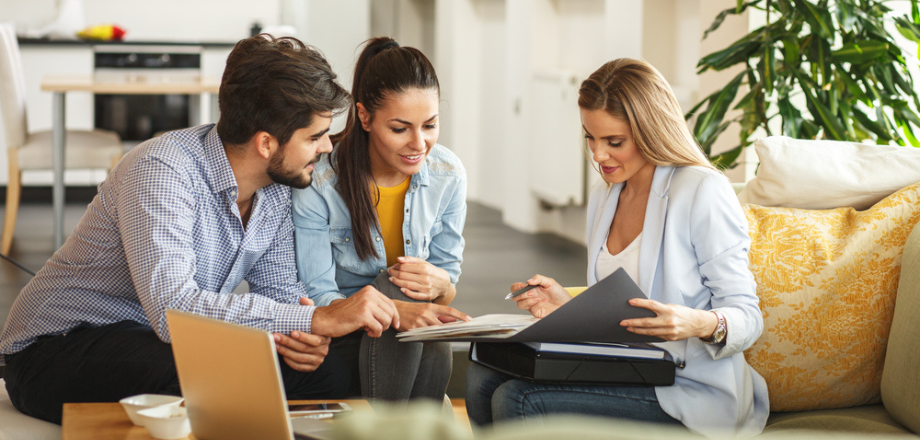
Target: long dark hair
(384, 68)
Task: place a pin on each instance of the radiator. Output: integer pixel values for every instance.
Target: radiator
(558, 162)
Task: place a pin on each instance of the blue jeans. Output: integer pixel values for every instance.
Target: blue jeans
(492, 396)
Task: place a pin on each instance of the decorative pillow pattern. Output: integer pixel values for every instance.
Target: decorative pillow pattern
(827, 282)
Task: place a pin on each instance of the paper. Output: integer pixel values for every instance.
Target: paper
(592, 316)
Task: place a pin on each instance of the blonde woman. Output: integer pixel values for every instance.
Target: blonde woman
(671, 220)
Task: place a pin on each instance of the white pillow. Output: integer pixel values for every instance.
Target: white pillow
(808, 174)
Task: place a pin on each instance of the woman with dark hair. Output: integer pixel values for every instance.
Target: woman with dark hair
(387, 209)
(671, 220)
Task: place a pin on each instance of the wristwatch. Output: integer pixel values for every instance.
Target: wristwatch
(718, 336)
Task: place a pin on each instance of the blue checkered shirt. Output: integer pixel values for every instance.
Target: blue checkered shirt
(164, 232)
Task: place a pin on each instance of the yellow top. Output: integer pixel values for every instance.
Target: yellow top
(390, 212)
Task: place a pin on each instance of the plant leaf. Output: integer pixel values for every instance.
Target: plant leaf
(734, 54)
(708, 122)
(815, 19)
(860, 51)
(845, 16)
(824, 116)
(727, 159)
(737, 10)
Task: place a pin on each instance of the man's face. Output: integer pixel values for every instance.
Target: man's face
(292, 164)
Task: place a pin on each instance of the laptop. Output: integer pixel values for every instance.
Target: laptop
(231, 381)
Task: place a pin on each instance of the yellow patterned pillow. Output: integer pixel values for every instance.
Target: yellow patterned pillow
(827, 282)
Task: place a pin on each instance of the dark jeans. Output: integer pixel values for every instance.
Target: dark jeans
(108, 363)
(492, 397)
(395, 371)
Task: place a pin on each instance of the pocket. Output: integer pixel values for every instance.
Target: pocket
(343, 249)
(425, 251)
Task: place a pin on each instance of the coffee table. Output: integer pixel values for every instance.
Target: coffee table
(103, 421)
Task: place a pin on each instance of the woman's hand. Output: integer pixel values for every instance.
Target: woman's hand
(414, 315)
(542, 300)
(421, 280)
(673, 322)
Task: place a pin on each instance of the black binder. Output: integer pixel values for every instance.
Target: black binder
(524, 362)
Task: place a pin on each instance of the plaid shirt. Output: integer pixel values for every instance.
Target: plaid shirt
(164, 232)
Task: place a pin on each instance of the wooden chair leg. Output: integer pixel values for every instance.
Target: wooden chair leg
(13, 193)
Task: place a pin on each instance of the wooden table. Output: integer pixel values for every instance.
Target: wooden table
(59, 85)
(108, 421)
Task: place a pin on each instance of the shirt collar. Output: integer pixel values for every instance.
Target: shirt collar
(220, 174)
(422, 176)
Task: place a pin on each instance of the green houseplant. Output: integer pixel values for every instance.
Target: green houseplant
(828, 69)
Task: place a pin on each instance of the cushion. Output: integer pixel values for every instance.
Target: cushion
(901, 379)
(868, 419)
(828, 174)
(827, 282)
(15, 425)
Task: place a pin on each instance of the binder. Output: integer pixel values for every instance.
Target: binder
(524, 362)
(592, 316)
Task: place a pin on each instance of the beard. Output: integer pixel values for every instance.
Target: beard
(293, 178)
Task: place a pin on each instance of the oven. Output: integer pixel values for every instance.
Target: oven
(137, 118)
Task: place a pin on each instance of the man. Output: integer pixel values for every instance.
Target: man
(178, 224)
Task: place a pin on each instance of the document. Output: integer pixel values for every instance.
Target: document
(592, 316)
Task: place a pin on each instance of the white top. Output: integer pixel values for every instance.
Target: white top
(628, 259)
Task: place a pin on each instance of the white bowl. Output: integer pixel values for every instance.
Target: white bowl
(136, 403)
(166, 422)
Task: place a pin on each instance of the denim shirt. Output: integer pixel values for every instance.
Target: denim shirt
(435, 212)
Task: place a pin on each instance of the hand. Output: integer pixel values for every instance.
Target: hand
(302, 351)
(414, 315)
(544, 299)
(367, 308)
(673, 322)
(419, 279)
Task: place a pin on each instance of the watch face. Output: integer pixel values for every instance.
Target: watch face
(719, 335)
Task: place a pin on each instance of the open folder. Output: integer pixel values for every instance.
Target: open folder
(592, 316)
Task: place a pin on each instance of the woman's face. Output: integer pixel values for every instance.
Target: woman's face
(612, 146)
(401, 133)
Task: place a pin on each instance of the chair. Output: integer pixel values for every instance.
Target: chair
(85, 149)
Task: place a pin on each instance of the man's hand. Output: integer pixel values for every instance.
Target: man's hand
(414, 315)
(544, 299)
(302, 351)
(367, 308)
(419, 279)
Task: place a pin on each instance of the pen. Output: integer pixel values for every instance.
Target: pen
(520, 291)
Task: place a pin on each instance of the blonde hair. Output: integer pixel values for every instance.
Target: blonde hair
(635, 92)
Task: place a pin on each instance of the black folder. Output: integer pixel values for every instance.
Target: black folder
(524, 362)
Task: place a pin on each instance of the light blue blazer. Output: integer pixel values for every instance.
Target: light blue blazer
(694, 252)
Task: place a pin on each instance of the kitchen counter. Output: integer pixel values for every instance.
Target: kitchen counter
(50, 42)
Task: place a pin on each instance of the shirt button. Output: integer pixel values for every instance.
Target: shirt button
(378, 238)
(232, 193)
(407, 242)
(381, 270)
(347, 239)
